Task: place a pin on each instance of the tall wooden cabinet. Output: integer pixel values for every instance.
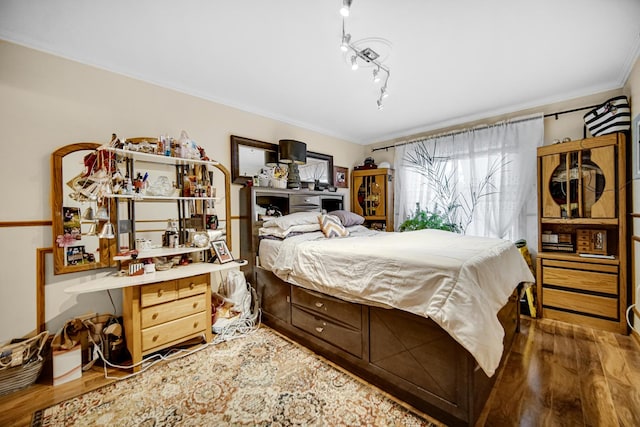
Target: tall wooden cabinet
(582, 270)
(372, 197)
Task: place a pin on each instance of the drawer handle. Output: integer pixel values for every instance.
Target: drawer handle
(319, 304)
(195, 325)
(160, 292)
(155, 338)
(155, 316)
(195, 304)
(192, 285)
(319, 329)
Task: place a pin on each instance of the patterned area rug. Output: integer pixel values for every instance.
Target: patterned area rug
(260, 380)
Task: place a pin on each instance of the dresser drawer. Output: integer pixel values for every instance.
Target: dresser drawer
(340, 336)
(161, 313)
(582, 303)
(335, 309)
(590, 281)
(157, 293)
(175, 330)
(190, 286)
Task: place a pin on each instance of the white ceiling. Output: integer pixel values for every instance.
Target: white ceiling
(452, 61)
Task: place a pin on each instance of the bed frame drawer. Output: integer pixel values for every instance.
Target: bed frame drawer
(335, 309)
(341, 336)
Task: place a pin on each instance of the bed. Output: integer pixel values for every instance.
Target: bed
(427, 315)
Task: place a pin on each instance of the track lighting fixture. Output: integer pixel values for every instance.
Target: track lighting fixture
(346, 7)
(364, 56)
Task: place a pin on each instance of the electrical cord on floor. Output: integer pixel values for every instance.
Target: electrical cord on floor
(627, 318)
(239, 328)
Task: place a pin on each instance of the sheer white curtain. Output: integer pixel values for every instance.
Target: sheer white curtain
(496, 162)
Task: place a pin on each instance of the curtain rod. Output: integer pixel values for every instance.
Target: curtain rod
(458, 132)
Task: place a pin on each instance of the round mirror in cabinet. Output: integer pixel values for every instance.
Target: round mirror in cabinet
(83, 223)
(576, 184)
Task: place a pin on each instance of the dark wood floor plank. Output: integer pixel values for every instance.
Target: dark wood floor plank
(597, 404)
(567, 404)
(620, 378)
(538, 396)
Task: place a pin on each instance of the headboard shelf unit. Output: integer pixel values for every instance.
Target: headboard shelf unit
(256, 201)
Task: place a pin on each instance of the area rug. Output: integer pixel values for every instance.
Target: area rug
(262, 379)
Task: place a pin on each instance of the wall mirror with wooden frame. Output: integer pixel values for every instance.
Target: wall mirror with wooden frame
(78, 218)
(249, 157)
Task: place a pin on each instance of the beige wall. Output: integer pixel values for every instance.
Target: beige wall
(632, 90)
(48, 102)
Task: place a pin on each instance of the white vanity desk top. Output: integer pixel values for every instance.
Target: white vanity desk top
(112, 281)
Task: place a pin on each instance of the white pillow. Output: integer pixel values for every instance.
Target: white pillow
(298, 218)
(282, 233)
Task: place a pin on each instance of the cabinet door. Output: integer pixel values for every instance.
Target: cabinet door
(579, 183)
(370, 201)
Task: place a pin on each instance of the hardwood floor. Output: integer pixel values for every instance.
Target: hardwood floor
(557, 374)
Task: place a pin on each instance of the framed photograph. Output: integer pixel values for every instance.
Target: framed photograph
(221, 251)
(635, 147)
(341, 177)
(75, 255)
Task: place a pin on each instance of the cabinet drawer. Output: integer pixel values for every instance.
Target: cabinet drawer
(173, 331)
(591, 281)
(161, 313)
(157, 293)
(195, 285)
(590, 304)
(340, 336)
(335, 309)
(301, 203)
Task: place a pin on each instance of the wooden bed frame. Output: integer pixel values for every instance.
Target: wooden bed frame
(406, 355)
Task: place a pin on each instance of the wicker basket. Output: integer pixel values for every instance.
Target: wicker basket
(21, 363)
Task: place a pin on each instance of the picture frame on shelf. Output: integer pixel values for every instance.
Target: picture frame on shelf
(221, 251)
(341, 177)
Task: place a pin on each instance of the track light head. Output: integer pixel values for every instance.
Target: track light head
(354, 62)
(376, 75)
(383, 92)
(345, 9)
(344, 46)
(380, 106)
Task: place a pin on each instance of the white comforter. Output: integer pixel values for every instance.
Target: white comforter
(461, 282)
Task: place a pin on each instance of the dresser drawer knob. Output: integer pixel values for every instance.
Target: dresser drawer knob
(319, 304)
(155, 316)
(195, 305)
(319, 329)
(160, 292)
(155, 338)
(195, 325)
(192, 285)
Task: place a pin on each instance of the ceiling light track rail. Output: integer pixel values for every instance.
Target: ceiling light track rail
(366, 55)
